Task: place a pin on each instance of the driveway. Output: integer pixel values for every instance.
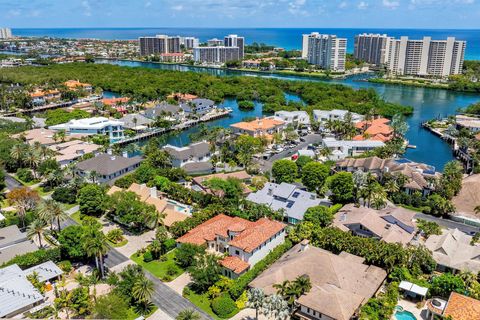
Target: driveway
(11, 182)
(447, 223)
(180, 283)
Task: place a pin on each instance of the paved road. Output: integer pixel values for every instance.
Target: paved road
(12, 183)
(448, 223)
(266, 165)
(170, 301)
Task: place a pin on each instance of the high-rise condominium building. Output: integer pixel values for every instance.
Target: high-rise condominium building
(426, 57)
(216, 55)
(233, 40)
(5, 33)
(372, 48)
(159, 44)
(326, 51)
(190, 42)
(214, 42)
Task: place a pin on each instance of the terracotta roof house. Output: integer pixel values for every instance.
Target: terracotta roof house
(111, 102)
(452, 251)
(259, 127)
(106, 168)
(198, 183)
(420, 176)
(182, 97)
(341, 284)
(151, 196)
(394, 225)
(376, 129)
(69, 151)
(194, 158)
(246, 242)
(40, 97)
(458, 307)
(75, 84)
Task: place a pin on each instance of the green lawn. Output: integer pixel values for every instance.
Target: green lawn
(159, 268)
(202, 302)
(119, 244)
(76, 216)
(132, 315)
(68, 206)
(42, 192)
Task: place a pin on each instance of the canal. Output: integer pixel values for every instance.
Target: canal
(427, 103)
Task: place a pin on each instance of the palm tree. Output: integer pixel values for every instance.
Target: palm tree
(256, 300)
(95, 245)
(188, 314)
(37, 228)
(17, 153)
(276, 307)
(93, 176)
(143, 289)
(50, 210)
(32, 159)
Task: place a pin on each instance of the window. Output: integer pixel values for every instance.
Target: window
(290, 204)
(237, 252)
(296, 194)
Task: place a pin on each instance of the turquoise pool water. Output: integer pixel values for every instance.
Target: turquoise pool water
(404, 315)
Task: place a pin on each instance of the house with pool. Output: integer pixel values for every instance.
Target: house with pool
(244, 242)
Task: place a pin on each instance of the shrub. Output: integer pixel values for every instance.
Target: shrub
(65, 265)
(147, 256)
(241, 283)
(169, 244)
(223, 306)
(115, 235)
(25, 175)
(172, 270)
(31, 259)
(64, 195)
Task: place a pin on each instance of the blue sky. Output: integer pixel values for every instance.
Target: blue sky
(241, 13)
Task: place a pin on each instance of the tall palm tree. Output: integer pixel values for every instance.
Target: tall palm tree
(17, 153)
(256, 300)
(37, 229)
(33, 160)
(143, 289)
(95, 245)
(50, 210)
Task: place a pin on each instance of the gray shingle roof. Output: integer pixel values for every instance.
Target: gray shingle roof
(128, 121)
(10, 235)
(105, 164)
(161, 109)
(198, 167)
(198, 149)
(46, 271)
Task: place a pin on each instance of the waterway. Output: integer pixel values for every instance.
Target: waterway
(427, 103)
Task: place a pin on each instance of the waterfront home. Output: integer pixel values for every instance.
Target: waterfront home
(40, 97)
(393, 225)
(151, 196)
(470, 123)
(182, 97)
(468, 198)
(199, 183)
(172, 57)
(106, 168)
(458, 307)
(77, 85)
(341, 149)
(67, 152)
(118, 104)
(322, 116)
(17, 294)
(264, 127)
(376, 129)
(420, 176)
(164, 109)
(289, 198)
(341, 284)
(453, 252)
(294, 118)
(13, 243)
(194, 158)
(245, 242)
(198, 106)
(136, 122)
(92, 126)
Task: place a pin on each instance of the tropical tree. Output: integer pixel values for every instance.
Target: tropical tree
(23, 199)
(37, 229)
(314, 175)
(95, 245)
(188, 314)
(143, 289)
(284, 171)
(50, 210)
(276, 307)
(256, 300)
(399, 125)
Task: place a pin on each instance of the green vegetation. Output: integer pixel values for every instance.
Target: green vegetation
(58, 116)
(150, 84)
(165, 268)
(31, 259)
(383, 306)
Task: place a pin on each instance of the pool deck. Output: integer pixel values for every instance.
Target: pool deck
(410, 306)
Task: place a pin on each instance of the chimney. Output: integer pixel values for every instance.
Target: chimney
(153, 192)
(304, 245)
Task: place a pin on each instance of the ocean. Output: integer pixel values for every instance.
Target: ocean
(288, 38)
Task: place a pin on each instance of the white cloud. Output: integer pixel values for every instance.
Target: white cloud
(343, 5)
(148, 4)
(391, 4)
(177, 7)
(87, 8)
(362, 5)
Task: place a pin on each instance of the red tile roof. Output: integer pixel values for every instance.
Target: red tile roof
(235, 264)
(252, 234)
(461, 307)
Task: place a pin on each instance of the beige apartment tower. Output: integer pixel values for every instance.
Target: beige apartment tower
(427, 57)
(372, 48)
(326, 51)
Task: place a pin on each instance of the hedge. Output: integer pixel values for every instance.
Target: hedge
(241, 283)
(223, 305)
(31, 259)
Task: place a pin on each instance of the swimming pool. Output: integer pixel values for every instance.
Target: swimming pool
(404, 315)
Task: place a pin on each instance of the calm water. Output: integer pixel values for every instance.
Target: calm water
(427, 103)
(289, 38)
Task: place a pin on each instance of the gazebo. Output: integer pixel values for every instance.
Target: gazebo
(412, 290)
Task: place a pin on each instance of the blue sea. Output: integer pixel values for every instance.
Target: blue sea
(288, 38)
